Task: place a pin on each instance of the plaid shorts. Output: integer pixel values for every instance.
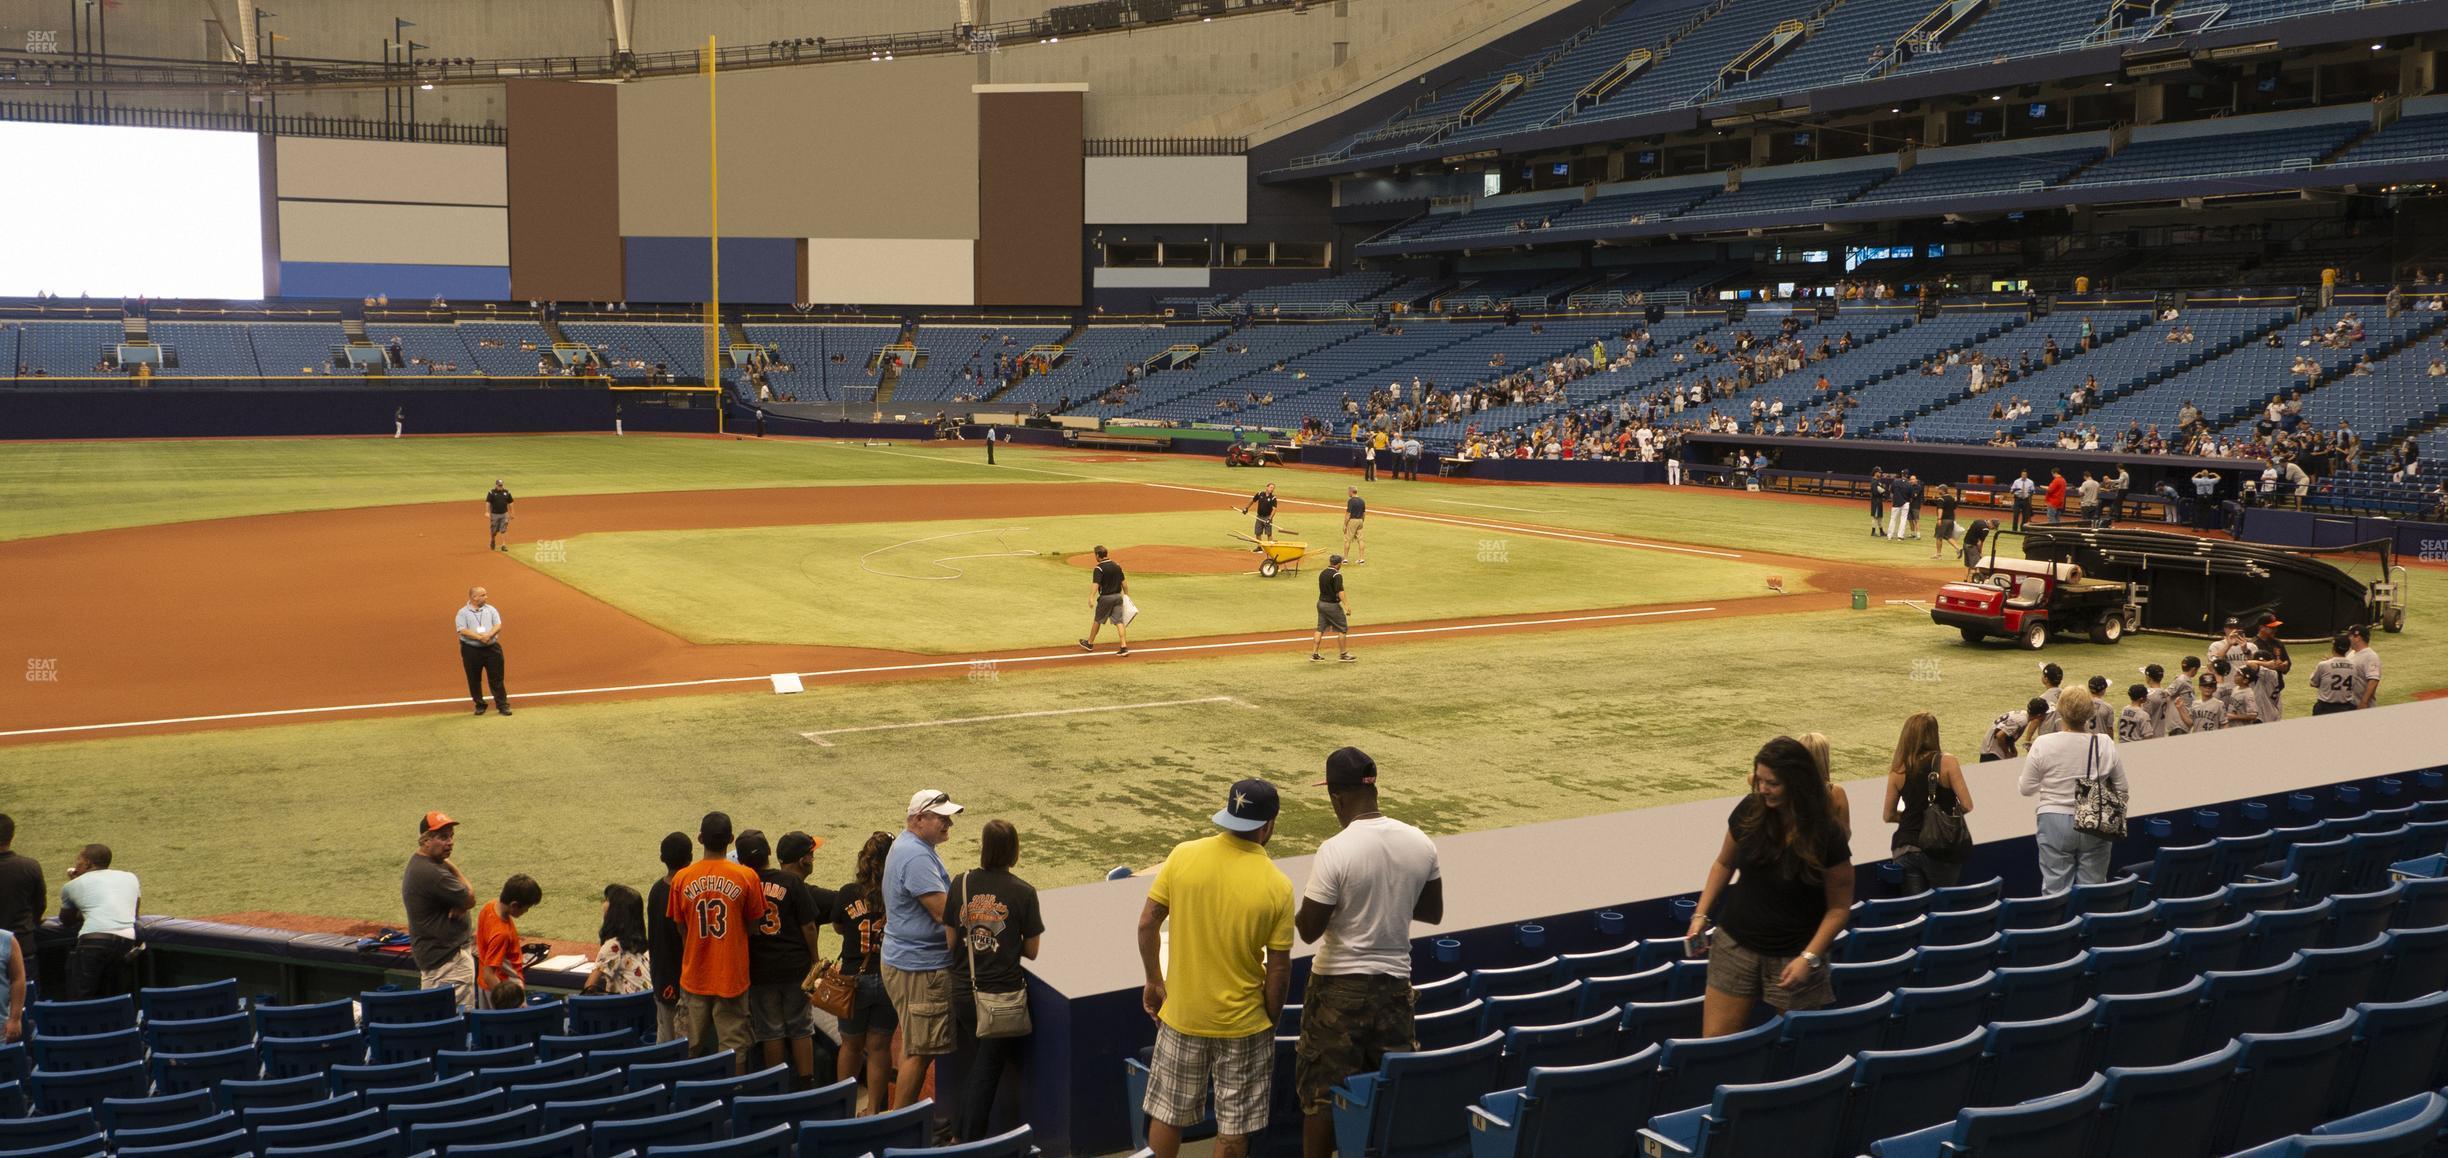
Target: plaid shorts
(1240, 1069)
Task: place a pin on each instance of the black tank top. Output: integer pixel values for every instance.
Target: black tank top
(1913, 799)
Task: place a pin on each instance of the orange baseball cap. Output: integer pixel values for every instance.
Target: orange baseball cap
(435, 822)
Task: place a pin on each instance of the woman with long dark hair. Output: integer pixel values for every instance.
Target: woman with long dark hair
(992, 919)
(867, 1034)
(1781, 887)
(1919, 761)
(620, 963)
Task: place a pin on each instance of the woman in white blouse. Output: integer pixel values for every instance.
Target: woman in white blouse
(620, 962)
(2056, 763)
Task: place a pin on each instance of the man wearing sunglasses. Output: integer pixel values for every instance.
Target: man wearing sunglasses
(917, 961)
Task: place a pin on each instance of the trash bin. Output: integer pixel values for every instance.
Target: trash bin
(1861, 599)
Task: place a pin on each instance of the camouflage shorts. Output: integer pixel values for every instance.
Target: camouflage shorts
(1349, 1022)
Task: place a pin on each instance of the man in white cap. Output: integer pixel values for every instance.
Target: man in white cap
(916, 957)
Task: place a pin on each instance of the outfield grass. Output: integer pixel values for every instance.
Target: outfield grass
(867, 584)
(1473, 733)
(52, 488)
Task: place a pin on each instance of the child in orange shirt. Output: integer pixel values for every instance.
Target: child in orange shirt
(500, 964)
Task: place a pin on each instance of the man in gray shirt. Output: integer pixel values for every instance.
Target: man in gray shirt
(438, 898)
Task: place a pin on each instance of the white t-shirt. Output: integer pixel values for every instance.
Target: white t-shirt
(108, 899)
(1372, 873)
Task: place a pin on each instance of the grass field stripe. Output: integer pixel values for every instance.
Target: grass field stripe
(936, 665)
(819, 736)
(1490, 506)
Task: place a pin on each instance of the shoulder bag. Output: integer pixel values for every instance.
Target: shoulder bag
(830, 989)
(1943, 836)
(998, 1014)
(2099, 805)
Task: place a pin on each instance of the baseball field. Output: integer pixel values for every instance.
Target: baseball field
(239, 653)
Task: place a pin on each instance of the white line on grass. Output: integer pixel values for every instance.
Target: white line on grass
(1490, 506)
(819, 736)
(937, 665)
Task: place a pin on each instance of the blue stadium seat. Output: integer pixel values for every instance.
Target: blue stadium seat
(241, 1095)
(79, 1018)
(2023, 948)
(52, 1093)
(1692, 1066)
(16, 1061)
(570, 1142)
(705, 1123)
(1945, 965)
(2234, 856)
(453, 1061)
(90, 1144)
(2335, 981)
(1896, 1091)
(495, 1028)
(1655, 983)
(289, 1057)
(2139, 968)
(63, 1053)
(1443, 993)
(2318, 866)
(2242, 1001)
(190, 1002)
(2252, 896)
(1793, 1116)
(48, 1129)
(2368, 857)
(2422, 902)
(177, 1073)
(2156, 1111)
(199, 1035)
(1890, 910)
(1413, 1103)
(2022, 1060)
(718, 1064)
(2182, 870)
(2047, 910)
(1449, 1027)
(1856, 982)
(2213, 946)
(775, 1142)
(540, 1073)
(645, 1103)
(2398, 1048)
(440, 1090)
(775, 1079)
(409, 1040)
(554, 1046)
(168, 1133)
(298, 1135)
(1647, 1023)
(753, 1112)
(2148, 1029)
(407, 1006)
(2359, 917)
(161, 1110)
(1569, 1043)
(2039, 991)
(1569, 1111)
(381, 1144)
(2118, 930)
(1611, 962)
(1957, 898)
(2406, 1129)
(2417, 962)
(389, 1076)
(225, 1144)
(855, 1137)
(1926, 1017)
(443, 1134)
(2286, 1083)
(482, 1103)
(320, 1110)
(1814, 1039)
(2052, 1125)
(1879, 943)
(2108, 896)
(2201, 911)
(1536, 977)
(603, 1085)
(318, 1020)
(621, 1059)
(1961, 926)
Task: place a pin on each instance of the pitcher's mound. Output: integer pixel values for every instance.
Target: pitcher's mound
(1176, 560)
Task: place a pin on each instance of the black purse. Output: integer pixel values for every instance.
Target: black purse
(1944, 835)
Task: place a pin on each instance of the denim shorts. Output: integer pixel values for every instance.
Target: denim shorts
(870, 1010)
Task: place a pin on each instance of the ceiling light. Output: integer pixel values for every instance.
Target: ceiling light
(427, 86)
(2378, 46)
(2108, 84)
(1996, 98)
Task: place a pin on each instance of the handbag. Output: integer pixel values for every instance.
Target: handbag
(830, 989)
(2099, 805)
(1944, 835)
(998, 1014)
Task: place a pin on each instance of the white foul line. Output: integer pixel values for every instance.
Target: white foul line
(819, 736)
(1489, 506)
(850, 671)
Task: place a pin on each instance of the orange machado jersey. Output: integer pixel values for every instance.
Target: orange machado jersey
(716, 903)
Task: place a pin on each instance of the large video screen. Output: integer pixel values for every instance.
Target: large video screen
(120, 212)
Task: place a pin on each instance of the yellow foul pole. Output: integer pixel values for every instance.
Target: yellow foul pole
(713, 308)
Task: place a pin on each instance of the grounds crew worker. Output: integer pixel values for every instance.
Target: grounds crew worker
(497, 510)
(1334, 613)
(1265, 502)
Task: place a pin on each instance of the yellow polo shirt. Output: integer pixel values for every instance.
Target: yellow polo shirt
(1228, 904)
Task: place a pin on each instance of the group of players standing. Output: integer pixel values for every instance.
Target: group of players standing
(2240, 680)
(1333, 605)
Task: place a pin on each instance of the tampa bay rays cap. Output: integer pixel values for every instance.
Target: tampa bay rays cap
(1252, 806)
